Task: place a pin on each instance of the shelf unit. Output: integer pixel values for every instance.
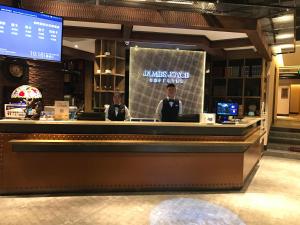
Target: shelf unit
(237, 80)
(74, 81)
(109, 72)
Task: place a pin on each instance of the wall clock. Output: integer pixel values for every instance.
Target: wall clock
(15, 68)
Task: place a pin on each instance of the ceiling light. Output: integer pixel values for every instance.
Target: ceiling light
(76, 46)
(276, 49)
(283, 19)
(182, 3)
(284, 46)
(279, 60)
(284, 36)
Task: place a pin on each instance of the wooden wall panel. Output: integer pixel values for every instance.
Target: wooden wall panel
(295, 99)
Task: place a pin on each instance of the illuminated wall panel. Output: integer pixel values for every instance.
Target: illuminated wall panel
(152, 69)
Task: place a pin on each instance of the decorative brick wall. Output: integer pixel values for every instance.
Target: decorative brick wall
(49, 79)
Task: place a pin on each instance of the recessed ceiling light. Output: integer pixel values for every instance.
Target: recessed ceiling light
(76, 46)
(284, 36)
(283, 19)
(181, 3)
(284, 46)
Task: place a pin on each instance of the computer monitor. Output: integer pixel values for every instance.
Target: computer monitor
(225, 109)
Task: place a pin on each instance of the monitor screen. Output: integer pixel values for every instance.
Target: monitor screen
(227, 109)
(28, 34)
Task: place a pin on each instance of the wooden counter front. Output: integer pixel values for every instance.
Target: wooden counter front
(114, 127)
(53, 162)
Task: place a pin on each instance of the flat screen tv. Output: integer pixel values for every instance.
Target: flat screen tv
(31, 35)
(227, 108)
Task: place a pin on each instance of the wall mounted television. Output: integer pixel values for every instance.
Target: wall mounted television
(31, 35)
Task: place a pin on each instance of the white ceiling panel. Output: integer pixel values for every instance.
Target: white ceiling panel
(240, 48)
(87, 45)
(111, 26)
(211, 35)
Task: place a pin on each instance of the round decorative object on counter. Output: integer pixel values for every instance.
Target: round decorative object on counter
(26, 92)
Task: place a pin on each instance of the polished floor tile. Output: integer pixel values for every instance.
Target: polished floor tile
(271, 198)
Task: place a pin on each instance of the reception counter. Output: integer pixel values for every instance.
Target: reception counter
(72, 156)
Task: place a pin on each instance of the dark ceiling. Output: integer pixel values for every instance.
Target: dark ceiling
(243, 8)
(285, 3)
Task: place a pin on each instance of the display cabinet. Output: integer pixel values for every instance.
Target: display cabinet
(109, 72)
(238, 80)
(74, 72)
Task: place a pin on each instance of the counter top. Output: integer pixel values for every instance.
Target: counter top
(126, 127)
(245, 123)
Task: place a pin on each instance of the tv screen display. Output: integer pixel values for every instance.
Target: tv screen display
(28, 34)
(227, 109)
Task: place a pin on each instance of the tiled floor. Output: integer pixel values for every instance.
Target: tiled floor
(272, 197)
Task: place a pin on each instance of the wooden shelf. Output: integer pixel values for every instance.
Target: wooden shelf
(239, 79)
(108, 91)
(258, 77)
(104, 91)
(235, 78)
(251, 96)
(110, 74)
(115, 62)
(110, 57)
(120, 75)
